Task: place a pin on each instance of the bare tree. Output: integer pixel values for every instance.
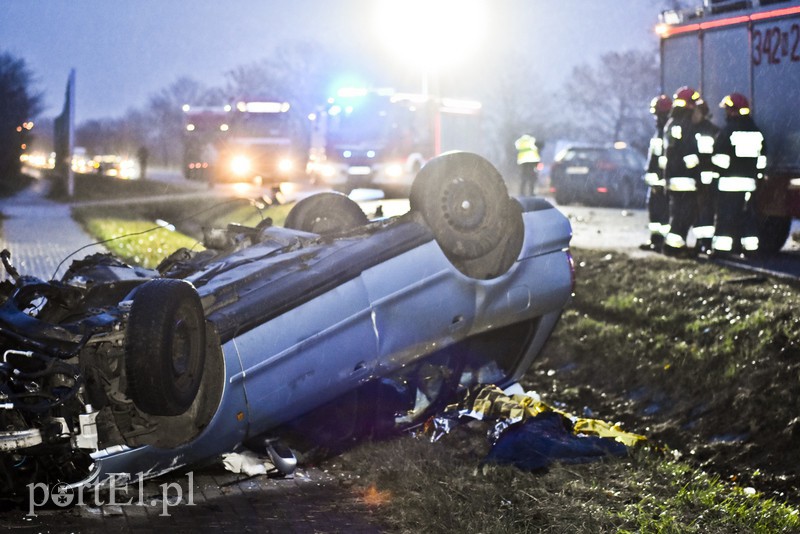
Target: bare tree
(296, 72)
(609, 101)
(519, 105)
(164, 114)
(19, 105)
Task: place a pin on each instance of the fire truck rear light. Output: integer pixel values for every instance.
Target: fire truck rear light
(395, 171)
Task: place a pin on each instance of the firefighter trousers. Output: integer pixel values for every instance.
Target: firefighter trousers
(706, 209)
(737, 229)
(528, 176)
(682, 214)
(658, 212)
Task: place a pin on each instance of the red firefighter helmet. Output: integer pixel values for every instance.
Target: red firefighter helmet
(685, 97)
(737, 103)
(660, 105)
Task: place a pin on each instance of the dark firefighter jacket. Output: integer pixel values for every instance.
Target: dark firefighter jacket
(739, 154)
(681, 171)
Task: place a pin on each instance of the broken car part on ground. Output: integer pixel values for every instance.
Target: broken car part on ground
(115, 369)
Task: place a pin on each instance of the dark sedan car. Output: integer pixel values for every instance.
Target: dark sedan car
(124, 371)
(599, 176)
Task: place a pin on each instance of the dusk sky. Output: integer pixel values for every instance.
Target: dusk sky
(125, 50)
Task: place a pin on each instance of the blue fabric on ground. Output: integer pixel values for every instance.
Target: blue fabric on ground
(548, 438)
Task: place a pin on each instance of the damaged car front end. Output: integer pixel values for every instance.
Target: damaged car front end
(120, 371)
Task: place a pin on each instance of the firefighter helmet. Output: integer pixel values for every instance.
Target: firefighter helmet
(737, 103)
(685, 97)
(660, 105)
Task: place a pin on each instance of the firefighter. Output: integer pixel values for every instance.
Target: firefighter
(657, 200)
(705, 132)
(527, 162)
(739, 154)
(681, 171)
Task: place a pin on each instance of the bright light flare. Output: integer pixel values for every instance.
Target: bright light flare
(432, 33)
(394, 170)
(240, 165)
(285, 165)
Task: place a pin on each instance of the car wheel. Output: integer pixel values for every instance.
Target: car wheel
(563, 198)
(463, 199)
(325, 213)
(165, 348)
(773, 233)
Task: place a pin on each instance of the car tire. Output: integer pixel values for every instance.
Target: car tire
(165, 347)
(563, 198)
(773, 233)
(326, 213)
(463, 199)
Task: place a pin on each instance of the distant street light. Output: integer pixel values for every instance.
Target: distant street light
(431, 34)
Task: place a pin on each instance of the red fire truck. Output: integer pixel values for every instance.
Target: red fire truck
(248, 141)
(751, 47)
(380, 138)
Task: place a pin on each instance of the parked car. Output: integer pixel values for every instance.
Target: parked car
(599, 176)
(131, 372)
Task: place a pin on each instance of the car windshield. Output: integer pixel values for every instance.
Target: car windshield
(591, 155)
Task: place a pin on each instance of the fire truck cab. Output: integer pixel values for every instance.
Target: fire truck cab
(380, 138)
(248, 141)
(751, 47)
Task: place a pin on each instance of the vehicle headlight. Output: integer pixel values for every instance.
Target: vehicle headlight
(327, 171)
(240, 165)
(394, 170)
(285, 165)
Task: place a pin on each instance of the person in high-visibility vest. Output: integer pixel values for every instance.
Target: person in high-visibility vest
(527, 162)
(740, 155)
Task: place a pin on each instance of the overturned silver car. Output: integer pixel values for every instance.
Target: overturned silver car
(124, 370)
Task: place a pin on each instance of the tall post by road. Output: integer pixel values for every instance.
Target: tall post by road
(64, 135)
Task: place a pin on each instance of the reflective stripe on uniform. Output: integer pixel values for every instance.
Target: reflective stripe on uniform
(723, 243)
(676, 131)
(761, 163)
(662, 162)
(658, 228)
(705, 143)
(674, 241)
(653, 179)
(691, 161)
(750, 243)
(721, 160)
(707, 176)
(736, 184)
(657, 146)
(747, 144)
(682, 183)
(703, 232)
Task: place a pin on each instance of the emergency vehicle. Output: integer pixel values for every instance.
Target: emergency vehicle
(380, 138)
(750, 47)
(248, 141)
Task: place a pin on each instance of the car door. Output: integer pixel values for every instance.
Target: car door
(308, 355)
(419, 302)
